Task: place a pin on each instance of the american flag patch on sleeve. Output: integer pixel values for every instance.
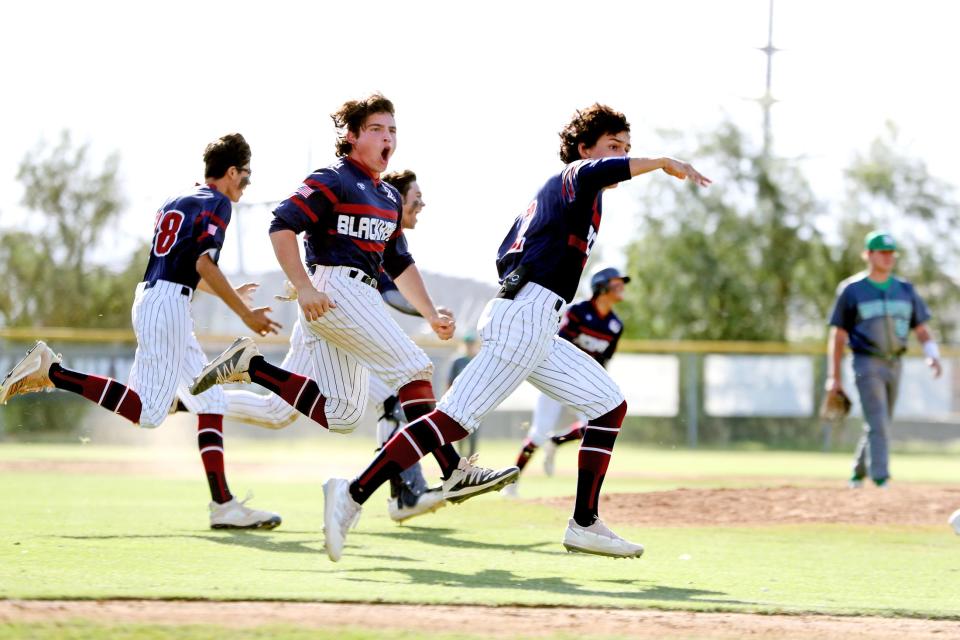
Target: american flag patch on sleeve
(212, 229)
(305, 192)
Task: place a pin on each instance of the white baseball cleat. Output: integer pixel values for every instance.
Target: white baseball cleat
(235, 514)
(511, 490)
(31, 374)
(468, 480)
(599, 540)
(955, 522)
(549, 457)
(427, 502)
(340, 514)
(229, 366)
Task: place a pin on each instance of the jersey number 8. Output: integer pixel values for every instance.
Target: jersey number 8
(166, 233)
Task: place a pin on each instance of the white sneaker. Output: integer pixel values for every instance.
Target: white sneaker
(549, 457)
(235, 514)
(229, 366)
(427, 502)
(31, 373)
(598, 539)
(855, 483)
(340, 514)
(468, 480)
(955, 522)
(511, 490)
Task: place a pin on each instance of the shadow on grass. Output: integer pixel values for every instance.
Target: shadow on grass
(501, 579)
(263, 540)
(442, 537)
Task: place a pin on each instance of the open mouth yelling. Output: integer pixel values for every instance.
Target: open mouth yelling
(385, 154)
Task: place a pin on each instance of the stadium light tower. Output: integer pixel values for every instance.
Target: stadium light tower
(767, 101)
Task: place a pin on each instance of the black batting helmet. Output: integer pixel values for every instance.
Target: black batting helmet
(602, 278)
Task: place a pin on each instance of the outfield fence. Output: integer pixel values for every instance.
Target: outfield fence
(678, 392)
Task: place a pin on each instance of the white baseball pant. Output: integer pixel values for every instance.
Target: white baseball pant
(270, 410)
(168, 356)
(519, 342)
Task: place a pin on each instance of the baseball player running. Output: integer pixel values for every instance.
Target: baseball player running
(874, 312)
(410, 494)
(189, 231)
(595, 329)
(351, 221)
(540, 263)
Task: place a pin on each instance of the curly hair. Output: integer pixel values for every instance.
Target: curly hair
(352, 116)
(587, 126)
(401, 180)
(226, 151)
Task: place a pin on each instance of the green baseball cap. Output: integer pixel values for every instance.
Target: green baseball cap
(879, 241)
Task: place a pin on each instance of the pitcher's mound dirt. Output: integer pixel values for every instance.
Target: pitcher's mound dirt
(904, 504)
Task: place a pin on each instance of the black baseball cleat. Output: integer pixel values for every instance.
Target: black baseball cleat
(468, 480)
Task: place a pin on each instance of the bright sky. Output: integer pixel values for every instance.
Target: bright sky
(481, 90)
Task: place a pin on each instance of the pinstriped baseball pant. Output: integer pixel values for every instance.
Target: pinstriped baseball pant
(519, 342)
(273, 412)
(168, 355)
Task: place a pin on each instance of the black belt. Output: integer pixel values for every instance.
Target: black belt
(356, 274)
(184, 290)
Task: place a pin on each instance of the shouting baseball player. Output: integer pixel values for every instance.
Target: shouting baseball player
(350, 219)
(410, 494)
(540, 263)
(189, 231)
(874, 312)
(595, 329)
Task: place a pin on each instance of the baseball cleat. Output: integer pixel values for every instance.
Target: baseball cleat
(955, 522)
(468, 480)
(340, 514)
(229, 366)
(599, 540)
(549, 457)
(31, 374)
(235, 514)
(427, 502)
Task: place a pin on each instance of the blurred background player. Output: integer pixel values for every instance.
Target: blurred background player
(540, 263)
(351, 226)
(593, 327)
(189, 231)
(468, 446)
(874, 313)
(410, 494)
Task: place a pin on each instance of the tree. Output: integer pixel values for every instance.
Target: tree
(722, 263)
(53, 278)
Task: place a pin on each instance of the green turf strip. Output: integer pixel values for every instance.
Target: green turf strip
(146, 536)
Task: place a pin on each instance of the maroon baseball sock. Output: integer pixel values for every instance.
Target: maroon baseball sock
(210, 442)
(596, 447)
(573, 432)
(525, 453)
(106, 392)
(407, 445)
(416, 399)
(299, 392)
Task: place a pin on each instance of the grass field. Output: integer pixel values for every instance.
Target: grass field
(99, 522)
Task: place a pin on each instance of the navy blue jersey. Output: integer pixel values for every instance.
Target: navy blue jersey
(349, 219)
(187, 226)
(593, 333)
(878, 322)
(554, 236)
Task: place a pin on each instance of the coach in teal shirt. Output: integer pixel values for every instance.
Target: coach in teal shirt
(874, 313)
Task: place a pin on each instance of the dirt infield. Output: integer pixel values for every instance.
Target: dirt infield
(911, 504)
(498, 622)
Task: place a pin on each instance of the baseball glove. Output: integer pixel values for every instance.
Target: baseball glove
(835, 407)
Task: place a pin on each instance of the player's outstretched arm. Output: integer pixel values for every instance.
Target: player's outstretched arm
(257, 319)
(314, 303)
(835, 346)
(676, 168)
(411, 285)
